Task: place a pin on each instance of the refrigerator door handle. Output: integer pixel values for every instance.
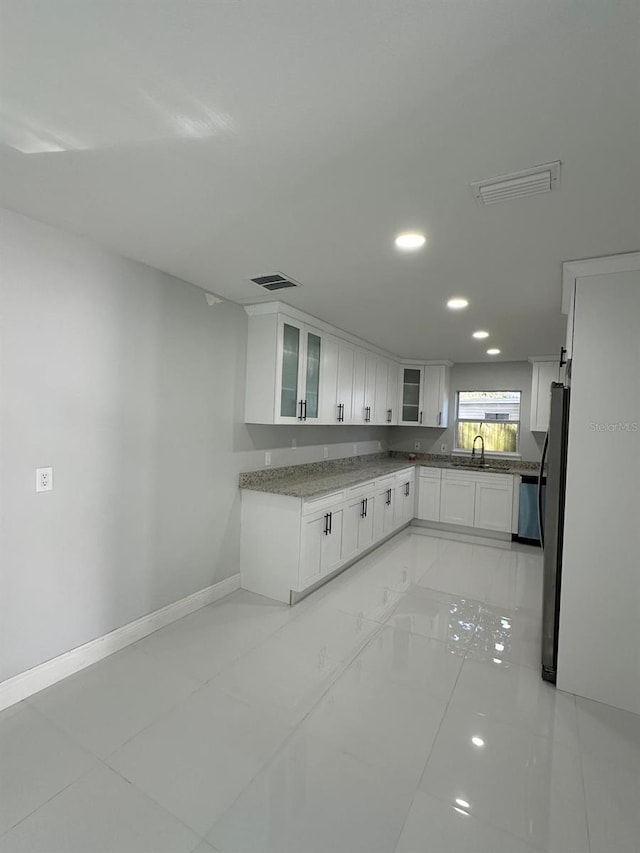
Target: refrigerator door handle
(540, 475)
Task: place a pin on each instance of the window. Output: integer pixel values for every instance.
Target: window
(495, 415)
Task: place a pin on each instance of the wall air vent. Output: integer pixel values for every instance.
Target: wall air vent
(275, 281)
(540, 179)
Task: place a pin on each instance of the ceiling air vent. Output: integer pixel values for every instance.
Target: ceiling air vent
(275, 281)
(540, 179)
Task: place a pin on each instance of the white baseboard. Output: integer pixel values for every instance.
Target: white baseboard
(27, 683)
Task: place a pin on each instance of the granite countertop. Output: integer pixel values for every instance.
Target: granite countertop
(321, 478)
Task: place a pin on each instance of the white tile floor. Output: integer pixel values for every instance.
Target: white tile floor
(398, 709)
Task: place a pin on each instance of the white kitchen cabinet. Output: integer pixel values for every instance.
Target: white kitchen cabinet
(457, 499)
(357, 533)
(392, 393)
(321, 545)
(494, 503)
(384, 502)
(543, 373)
(283, 371)
(404, 509)
(336, 388)
(380, 413)
(436, 396)
(477, 499)
(364, 387)
(411, 395)
(429, 494)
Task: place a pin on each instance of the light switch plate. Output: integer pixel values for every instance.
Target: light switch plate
(443, 448)
(416, 445)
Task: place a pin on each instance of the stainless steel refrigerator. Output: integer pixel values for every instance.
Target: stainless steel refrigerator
(554, 458)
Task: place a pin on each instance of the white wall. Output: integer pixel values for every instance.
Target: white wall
(132, 388)
(498, 376)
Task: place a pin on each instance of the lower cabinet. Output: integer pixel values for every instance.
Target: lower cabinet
(458, 501)
(287, 544)
(466, 498)
(320, 545)
(429, 494)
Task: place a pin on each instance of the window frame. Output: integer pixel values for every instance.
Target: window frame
(499, 454)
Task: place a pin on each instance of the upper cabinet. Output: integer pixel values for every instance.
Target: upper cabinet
(545, 371)
(424, 395)
(436, 395)
(284, 360)
(411, 391)
(336, 384)
(301, 370)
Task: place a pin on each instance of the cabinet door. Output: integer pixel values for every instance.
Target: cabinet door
(359, 382)
(331, 547)
(436, 395)
(351, 528)
(389, 510)
(290, 371)
(429, 499)
(312, 361)
(411, 396)
(371, 366)
(365, 523)
(405, 500)
(380, 401)
(494, 506)
(346, 367)
(329, 409)
(457, 502)
(544, 373)
(392, 393)
(312, 536)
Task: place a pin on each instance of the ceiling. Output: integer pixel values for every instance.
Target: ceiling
(224, 139)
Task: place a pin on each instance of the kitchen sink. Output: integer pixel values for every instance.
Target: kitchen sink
(479, 467)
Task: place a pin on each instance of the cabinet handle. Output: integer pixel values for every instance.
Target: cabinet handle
(407, 489)
(563, 360)
(340, 412)
(439, 418)
(305, 410)
(326, 524)
(389, 415)
(330, 522)
(420, 417)
(388, 496)
(367, 414)
(363, 511)
(300, 415)
(366, 506)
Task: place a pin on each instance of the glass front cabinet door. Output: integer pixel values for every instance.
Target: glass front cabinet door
(411, 396)
(299, 356)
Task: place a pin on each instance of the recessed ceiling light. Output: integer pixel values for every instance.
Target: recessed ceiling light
(480, 335)
(410, 240)
(493, 351)
(457, 303)
(463, 803)
(477, 741)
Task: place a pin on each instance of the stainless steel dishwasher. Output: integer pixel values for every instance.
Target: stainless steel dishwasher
(528, 526)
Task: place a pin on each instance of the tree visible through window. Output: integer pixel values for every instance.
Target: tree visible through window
(495, 415)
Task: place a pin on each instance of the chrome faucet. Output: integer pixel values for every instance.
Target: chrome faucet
(473, 450)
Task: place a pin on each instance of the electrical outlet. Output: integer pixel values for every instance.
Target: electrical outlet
(416, 445)
(443, 448)
(44, 479)
(267, 457)
(294, 443)
(326, 453)
(355, 449)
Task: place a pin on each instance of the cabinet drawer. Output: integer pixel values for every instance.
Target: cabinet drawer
(326, 501)
(361, 489)
(386, 482)
(432, 473)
